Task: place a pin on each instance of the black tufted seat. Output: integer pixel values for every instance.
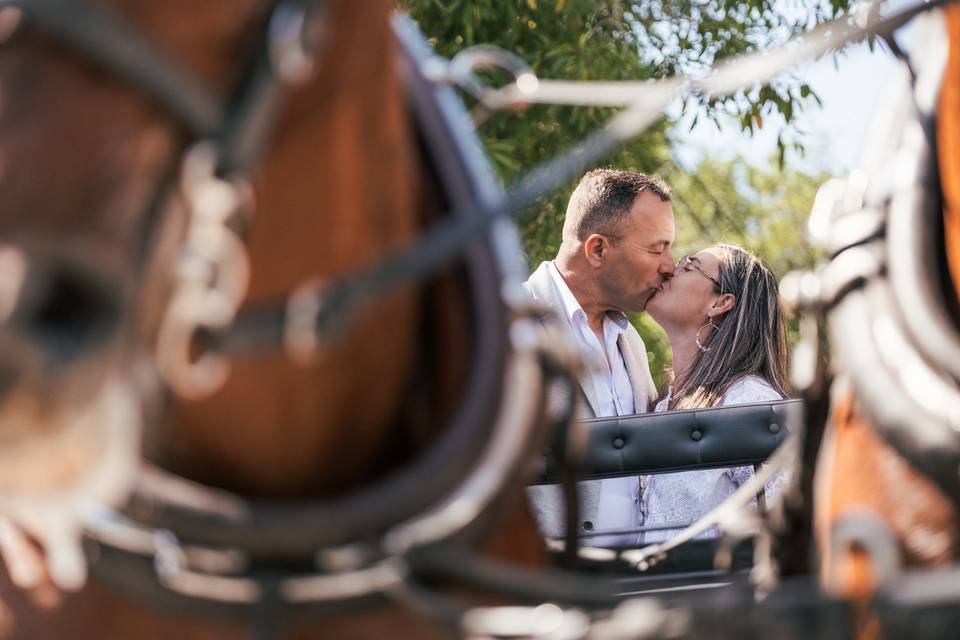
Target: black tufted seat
(677, 440)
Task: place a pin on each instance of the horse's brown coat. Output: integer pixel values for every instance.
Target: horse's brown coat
(868, 473)
(335, 192)
(948, 144)
(337, 189)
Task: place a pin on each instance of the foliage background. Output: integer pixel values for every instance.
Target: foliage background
(761, 208)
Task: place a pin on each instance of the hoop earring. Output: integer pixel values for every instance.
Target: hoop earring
(696, 338)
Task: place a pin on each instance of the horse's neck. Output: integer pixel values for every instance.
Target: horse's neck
(335, 191)
(199, 34)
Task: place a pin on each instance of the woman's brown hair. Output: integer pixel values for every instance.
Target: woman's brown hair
(750, 339)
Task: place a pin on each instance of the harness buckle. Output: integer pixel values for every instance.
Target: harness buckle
(462, 68)
(290, 58)
(300, 339)
(168, 558)
(212, 276)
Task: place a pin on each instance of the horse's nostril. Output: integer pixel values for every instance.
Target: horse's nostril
(73, 312)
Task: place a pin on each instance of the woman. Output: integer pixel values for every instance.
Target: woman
(722, 314)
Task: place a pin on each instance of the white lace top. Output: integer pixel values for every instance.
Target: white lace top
(680, 498)
(674, 500)
(744, 391)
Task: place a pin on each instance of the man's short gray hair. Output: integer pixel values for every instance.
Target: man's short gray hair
(603, 199)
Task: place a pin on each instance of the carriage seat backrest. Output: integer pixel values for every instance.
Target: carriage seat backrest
(680, 440)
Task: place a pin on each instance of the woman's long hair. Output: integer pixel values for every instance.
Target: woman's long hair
(750, 339)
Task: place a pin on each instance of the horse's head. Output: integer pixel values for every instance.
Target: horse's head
(86, 154)
(110, 211)
(89, 226)
(99, 192)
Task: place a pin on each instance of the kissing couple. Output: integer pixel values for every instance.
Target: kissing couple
(721, 311)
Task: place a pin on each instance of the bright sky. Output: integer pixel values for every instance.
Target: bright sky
(851, 85)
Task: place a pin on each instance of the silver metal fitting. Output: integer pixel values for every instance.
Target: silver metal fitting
(300, 339)
(289, 57)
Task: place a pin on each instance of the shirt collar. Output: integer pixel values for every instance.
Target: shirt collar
(572, 308)
(620, 319)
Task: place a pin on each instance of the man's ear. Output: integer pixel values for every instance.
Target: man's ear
(723, 304)
(595, 249)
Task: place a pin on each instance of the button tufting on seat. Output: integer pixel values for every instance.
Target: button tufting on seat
(618, 443)
(696, 434)
(774, 428)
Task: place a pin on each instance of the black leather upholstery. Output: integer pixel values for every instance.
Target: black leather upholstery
(677, 440)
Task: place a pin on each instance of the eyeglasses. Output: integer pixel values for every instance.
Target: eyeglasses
(685, 263)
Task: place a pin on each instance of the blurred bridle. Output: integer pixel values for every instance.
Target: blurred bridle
(206, 549)
(227, 139)
(884, 287)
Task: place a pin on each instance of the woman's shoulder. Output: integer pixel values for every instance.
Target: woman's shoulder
(749, 389)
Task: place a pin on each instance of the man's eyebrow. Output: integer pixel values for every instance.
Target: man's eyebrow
(695, 259)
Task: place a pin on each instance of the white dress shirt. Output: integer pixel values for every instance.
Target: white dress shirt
(619, 503)
(608, 373)
(547, 501)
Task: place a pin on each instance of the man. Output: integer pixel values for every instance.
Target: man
(615, 253)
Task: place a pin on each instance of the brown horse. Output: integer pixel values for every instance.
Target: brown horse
(340, 184)
(863, 477)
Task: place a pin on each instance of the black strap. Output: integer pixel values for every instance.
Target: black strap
(110, 42)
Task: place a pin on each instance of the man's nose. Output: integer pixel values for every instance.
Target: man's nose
(667, 264)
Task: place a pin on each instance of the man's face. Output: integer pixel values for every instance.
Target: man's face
(641, 259)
